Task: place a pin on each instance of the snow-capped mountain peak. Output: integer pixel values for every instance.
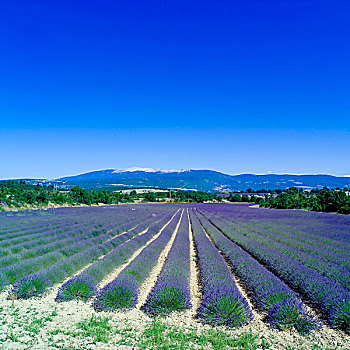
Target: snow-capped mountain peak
(147, 170)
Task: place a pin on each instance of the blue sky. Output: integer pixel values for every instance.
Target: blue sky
(236, 86)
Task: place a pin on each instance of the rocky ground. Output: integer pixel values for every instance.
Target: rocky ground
(42, 323)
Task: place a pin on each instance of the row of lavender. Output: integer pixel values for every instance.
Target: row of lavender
(13, 224)
(328, 227)
(22, 237)
(58, 272)
(28, 266)
(340, 246)
(334, 250)
(73, 218)
(172, 289)
(332, 299)
(333, 231)
(95, 238)
(15, 233)
(34, 222)
(54, 242)
(214, 227)
(312, 254)
(271, 296)
(123, 292)
(222, 302)
(29, 246)
(319, 259)
(84, 285)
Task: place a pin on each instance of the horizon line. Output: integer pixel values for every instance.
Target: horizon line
(182, 170)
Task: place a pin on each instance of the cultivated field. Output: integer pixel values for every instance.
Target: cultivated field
(174, 276)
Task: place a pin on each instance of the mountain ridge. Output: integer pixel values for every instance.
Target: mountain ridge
(201, 180)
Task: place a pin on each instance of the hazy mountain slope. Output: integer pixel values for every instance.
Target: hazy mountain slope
(202, 180)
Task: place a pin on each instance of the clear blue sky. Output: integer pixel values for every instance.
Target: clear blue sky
(237, 86)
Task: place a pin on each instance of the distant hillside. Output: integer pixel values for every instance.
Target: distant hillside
(201, 180)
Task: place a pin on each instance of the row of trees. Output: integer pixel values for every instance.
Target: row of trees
(325, 200)
(242, 198)
(108, 197)
(19, 194)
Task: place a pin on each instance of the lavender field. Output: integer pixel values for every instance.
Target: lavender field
(210, 265)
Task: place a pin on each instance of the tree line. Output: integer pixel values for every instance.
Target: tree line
(324, 200)
(19, 194)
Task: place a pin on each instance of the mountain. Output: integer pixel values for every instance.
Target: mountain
(200, 180)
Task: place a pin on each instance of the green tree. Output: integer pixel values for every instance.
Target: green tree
(79, 195)
(150, 197)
